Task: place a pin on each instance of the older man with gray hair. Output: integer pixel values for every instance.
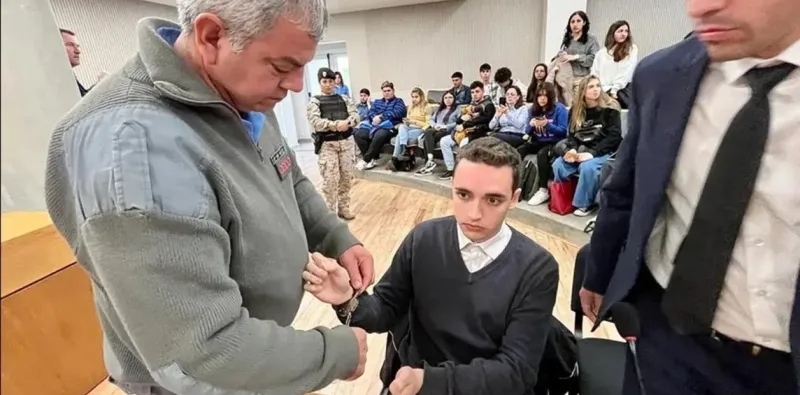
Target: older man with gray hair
(173, 185)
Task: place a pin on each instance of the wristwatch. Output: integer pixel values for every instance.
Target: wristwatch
(346, 309)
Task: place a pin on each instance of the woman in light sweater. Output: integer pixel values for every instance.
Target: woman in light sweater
(512, 118)
(442, 123)
(616, 62)
(414, 124)
(578, 47)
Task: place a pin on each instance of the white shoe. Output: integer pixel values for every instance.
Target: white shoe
(427, 169)
(371, 164)
(583, 212)
(360, 165)
(541, 196)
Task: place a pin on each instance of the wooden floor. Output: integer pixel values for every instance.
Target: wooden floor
(385, 214)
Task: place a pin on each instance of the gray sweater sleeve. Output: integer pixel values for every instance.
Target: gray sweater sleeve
(168, 283)
(159, 259)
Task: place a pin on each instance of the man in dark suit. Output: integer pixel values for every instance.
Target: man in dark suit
(700, 222)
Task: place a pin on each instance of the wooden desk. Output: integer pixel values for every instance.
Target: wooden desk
(51, 338)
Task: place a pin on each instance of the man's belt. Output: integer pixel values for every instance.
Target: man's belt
(334, 136)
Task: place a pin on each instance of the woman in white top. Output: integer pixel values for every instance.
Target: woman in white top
(615, 64)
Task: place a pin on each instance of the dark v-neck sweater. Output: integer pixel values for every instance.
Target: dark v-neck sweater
(474, 333)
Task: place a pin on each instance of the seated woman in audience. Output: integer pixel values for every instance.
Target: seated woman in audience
(442, 123)
(549, 124)
(339, 87)
(578, 47)
(616, 62)
(595, 133)
(511, 118)
(414, 124)
(538, 78)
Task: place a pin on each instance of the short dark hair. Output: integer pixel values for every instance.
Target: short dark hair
(365, 91)
(493, 152)
(486, 67)
(476, 84)
(457, 74)
(66, 31)
(503, 74)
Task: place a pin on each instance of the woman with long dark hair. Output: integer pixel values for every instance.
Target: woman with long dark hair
(578, 46)
(511, 119)
(442, 123)
(537, 79)
(549, 123)
(339, 87)
(614, 65)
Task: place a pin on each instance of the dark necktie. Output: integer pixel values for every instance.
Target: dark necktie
(690, 300)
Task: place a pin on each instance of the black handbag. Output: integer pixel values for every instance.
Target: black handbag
(624, 97)
(587, 135)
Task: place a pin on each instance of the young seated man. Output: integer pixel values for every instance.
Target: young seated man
(478, 295)
(460, 91)
(490, 87)
(483, 111)
(504, 79)
(364, 104)
(377, 130)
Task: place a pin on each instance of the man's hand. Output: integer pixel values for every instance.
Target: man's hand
(326, 280)
(361, 336)
(360, 266)
(590, 302)
(376, 120)
(408, 381)
(466, 117)
(342, 126)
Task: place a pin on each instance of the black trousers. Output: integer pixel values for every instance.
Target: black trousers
(371, 147)
(543, 152)
(675, 364)
(514, 139)
(431, 137)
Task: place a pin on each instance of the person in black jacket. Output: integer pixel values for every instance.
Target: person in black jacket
(595, 133)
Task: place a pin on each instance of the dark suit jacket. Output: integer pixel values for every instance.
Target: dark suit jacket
(664, 89)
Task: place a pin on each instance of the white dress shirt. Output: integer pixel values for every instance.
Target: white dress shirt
(759, 289)
(476, 256)
(614, 75)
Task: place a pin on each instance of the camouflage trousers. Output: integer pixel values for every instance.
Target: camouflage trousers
(336, 166)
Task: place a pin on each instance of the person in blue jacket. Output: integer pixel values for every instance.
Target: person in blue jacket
(377, 130)
(549, 125)
(340, 88)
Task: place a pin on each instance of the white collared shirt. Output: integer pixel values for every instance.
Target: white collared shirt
(759, 290)
(476, 256)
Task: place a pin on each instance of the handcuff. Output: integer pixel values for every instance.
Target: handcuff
(346, 309)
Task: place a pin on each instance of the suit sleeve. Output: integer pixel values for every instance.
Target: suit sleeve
(613, 220)
(514, 369)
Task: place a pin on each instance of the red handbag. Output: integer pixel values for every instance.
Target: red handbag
(561, 194)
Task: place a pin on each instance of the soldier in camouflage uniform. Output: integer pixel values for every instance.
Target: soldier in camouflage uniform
(333, 117)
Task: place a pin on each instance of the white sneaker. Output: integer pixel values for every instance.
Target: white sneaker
(540, 197)
(583, 212)
(427, 169)
(360, 165)
(371, 164)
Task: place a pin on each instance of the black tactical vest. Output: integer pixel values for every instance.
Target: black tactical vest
(333, 107)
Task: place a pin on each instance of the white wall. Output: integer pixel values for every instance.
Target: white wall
(655, 24)
(105, 30)
(37, 88)
(423, 45)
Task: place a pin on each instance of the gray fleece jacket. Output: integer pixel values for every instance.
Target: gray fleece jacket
(194, 235)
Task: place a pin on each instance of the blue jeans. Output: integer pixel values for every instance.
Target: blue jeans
(588, 178)
(404, 135)
(448, 145)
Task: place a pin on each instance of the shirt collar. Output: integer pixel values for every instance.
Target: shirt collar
(735, 69)
(493, 247)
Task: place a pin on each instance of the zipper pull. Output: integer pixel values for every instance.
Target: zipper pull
(260, 153)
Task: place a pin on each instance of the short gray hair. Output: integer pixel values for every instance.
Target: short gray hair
(245, 19)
